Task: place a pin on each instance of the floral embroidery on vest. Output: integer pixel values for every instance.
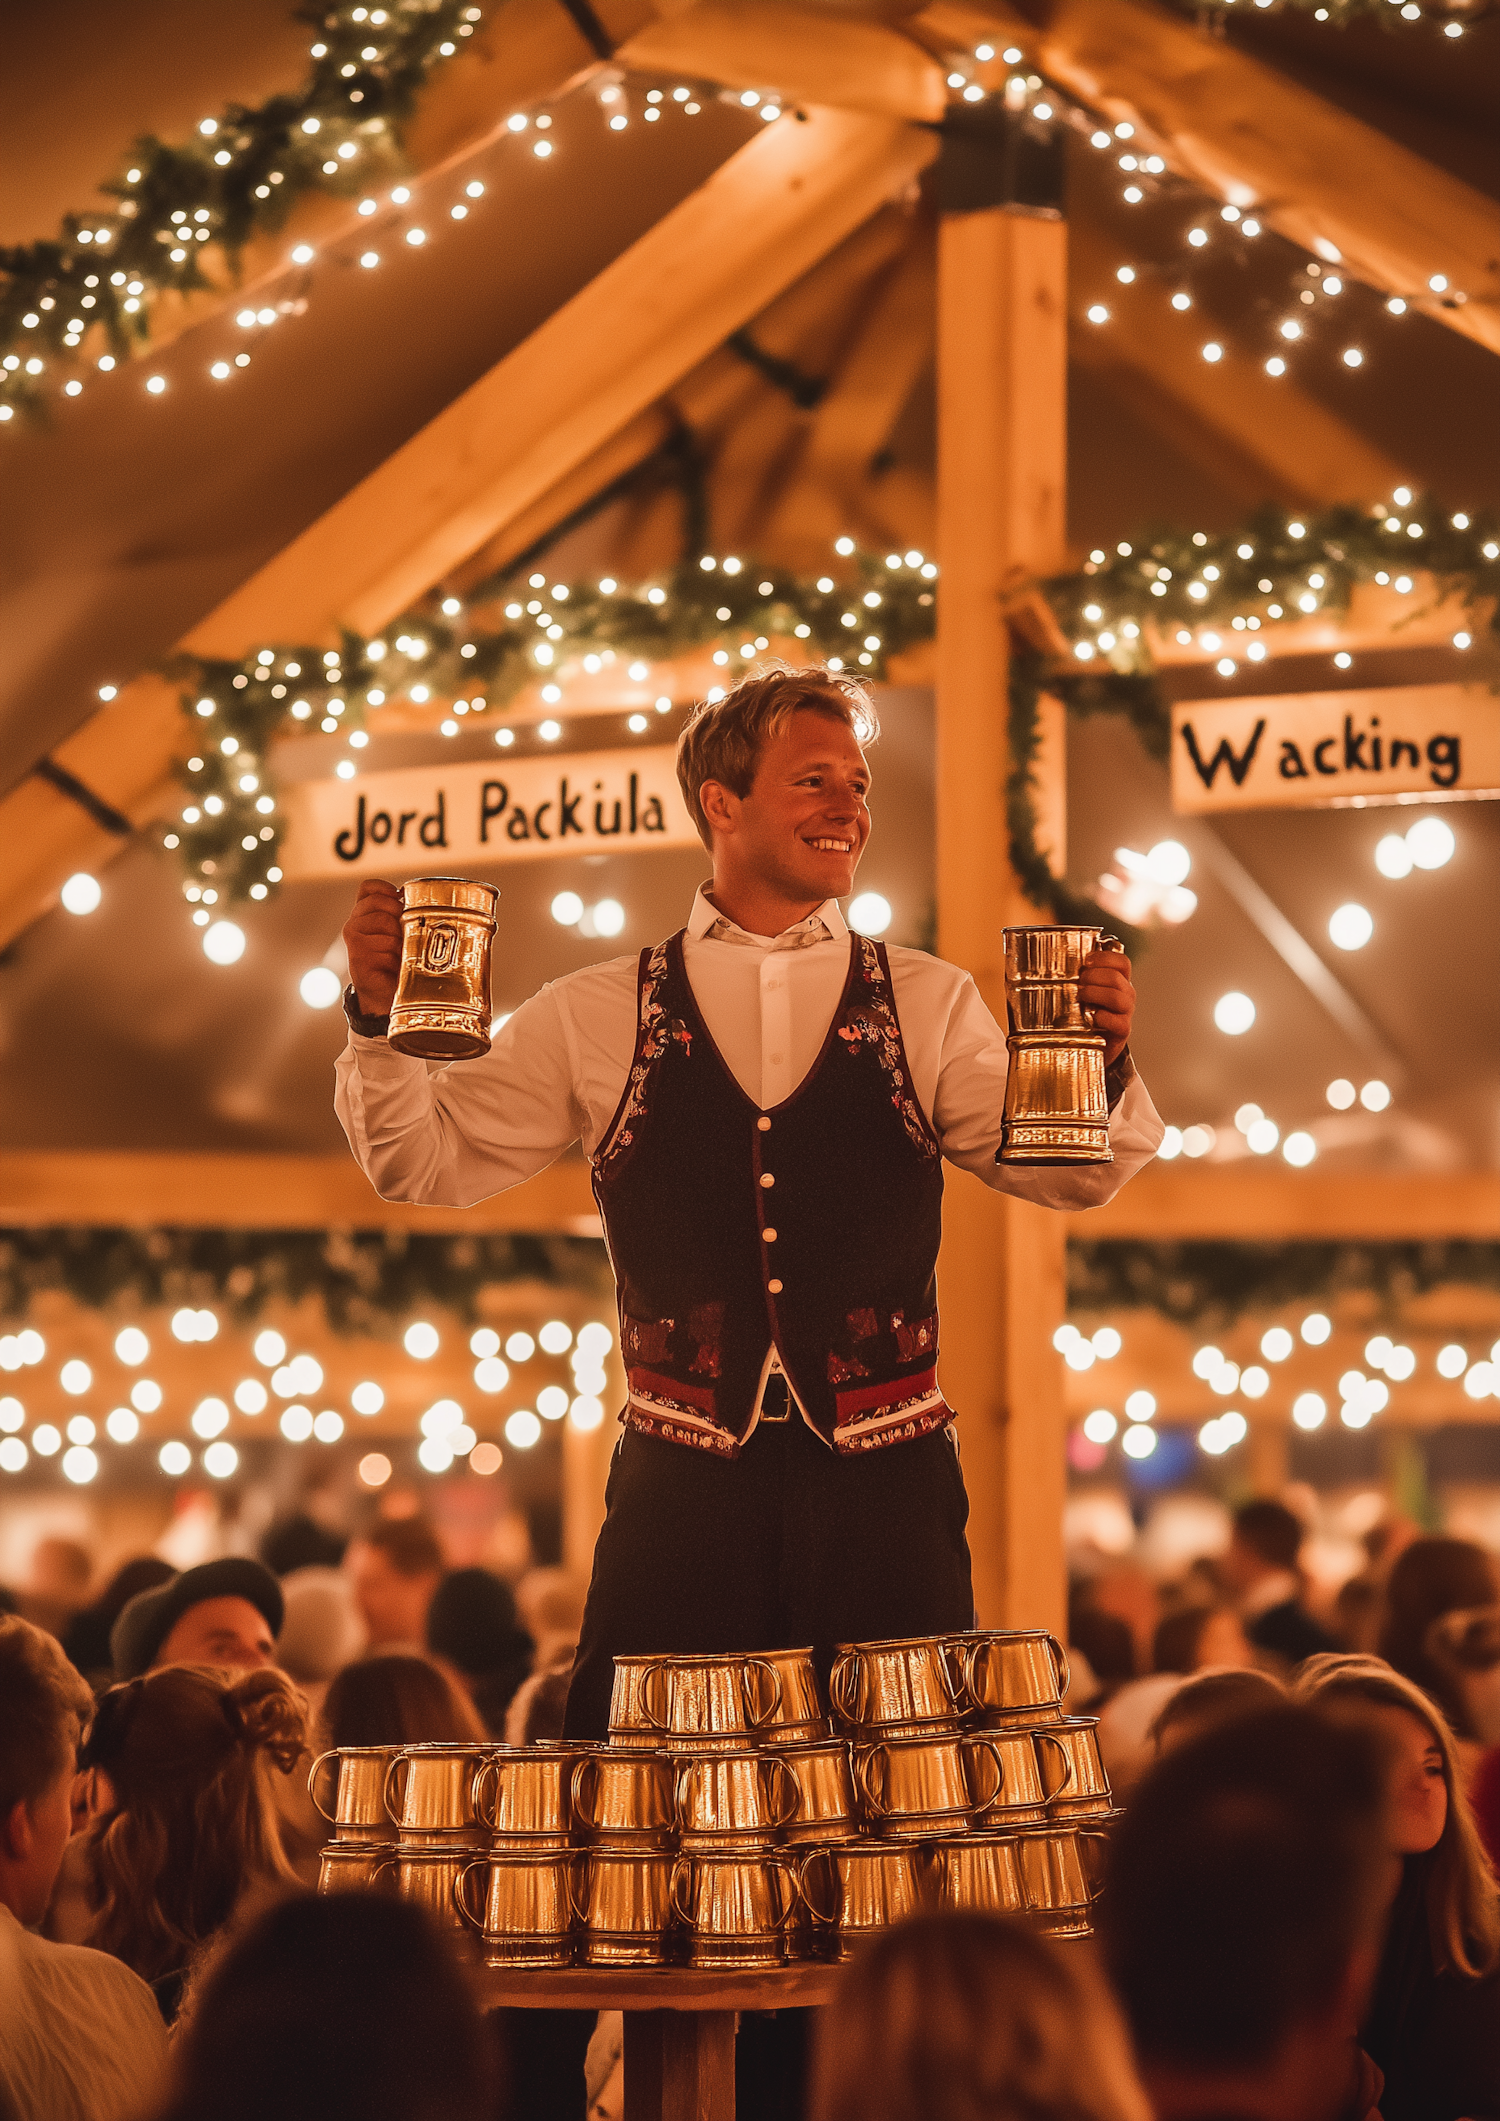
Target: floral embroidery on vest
(657, 1031)
(872, 1022)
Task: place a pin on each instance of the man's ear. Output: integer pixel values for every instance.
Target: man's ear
(720, 805)
(17, 1835)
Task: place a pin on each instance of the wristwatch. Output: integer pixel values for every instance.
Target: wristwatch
(366, 1026)
(1117, 1076)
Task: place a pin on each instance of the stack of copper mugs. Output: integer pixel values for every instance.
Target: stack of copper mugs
(730, 1822)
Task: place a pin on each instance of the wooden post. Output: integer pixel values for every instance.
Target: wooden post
(1002, 353)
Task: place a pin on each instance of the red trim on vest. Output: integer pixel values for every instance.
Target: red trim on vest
(858, 1400)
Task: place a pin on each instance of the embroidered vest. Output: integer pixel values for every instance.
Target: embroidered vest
(812, 1224)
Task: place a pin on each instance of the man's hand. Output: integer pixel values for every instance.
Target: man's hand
(1103, 986)
(372, 936)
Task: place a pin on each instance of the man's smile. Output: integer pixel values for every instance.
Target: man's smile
(831, 846)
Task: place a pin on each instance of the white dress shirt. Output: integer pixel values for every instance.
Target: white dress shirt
(81, 2038)
(453, 1134)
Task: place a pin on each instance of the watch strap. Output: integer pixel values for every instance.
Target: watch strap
(366, 1026)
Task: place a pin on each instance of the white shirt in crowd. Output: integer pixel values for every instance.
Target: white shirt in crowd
(81, 2038)
(556, 1071)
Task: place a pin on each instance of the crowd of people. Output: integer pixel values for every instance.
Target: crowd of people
(1300, 1919)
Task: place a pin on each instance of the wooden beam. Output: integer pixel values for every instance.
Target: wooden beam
(527, 51)
(1002, 392)
(1245, 427)
(846, 62)
(1249, 1203)
(759, 223)
(1255, 138)
(186, 1189)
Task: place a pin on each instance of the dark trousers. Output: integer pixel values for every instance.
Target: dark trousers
(790, 1543)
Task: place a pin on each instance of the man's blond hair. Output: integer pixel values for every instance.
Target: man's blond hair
(45, 1707)
(724, 738)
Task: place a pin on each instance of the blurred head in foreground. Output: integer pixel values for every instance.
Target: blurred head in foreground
(969, 2017)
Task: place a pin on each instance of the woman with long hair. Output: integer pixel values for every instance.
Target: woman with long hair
(1433, 2023)
(1430, 1578)
(400, 1700)
(184, 1836)
(969, 2017)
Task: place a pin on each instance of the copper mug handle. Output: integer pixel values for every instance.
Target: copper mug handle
(972, 1652)
(461, 1898)
(392, 1811)
(489, 1766)
(755, 1723)
(819, 1856)
(874, 1804)
(1059, 1654)
(792, 1790)
(1094, 1879)
(681, 1868)
(988, 1745)
(582, 1812)
(312, 1786)
(794, 1881)
(845, 1667)
(655, 1671)
(1041, 1738)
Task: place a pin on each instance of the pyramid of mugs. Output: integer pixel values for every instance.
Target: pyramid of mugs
(731, 1821)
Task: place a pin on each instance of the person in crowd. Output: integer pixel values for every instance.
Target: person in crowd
(398, 1701)
(1242, 1919)
(1199, 1637)
(322, 1630)
(549, 1604)
(1106, 1641)
(183, 1840)
(535, 1716)
(970, 2017)
(1260, 1566)
(225, 1613)
(299, 1541)
(339, 2009)
(57, 1583)
(86, 1639)
(395, 1568)
(472, 1625)
(1208, 1700)
(1433, 2022)
(1465, 1647)
(80, 2037)
(1433, 1577)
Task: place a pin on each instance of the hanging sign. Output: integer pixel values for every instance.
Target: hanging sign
(431, 817)
(1315, 750)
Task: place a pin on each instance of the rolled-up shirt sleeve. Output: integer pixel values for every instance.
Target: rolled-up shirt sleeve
(970, 1103)
(454, 1134)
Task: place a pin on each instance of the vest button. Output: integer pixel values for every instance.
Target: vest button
(764, 1124)
(774, 1287)
(767, 1179)
(768, 1237)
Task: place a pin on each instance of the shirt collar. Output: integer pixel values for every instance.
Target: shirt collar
(824, 922)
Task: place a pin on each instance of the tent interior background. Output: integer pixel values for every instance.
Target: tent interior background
(141, 1084)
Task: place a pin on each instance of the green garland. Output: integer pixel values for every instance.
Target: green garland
(240, 177)
(369, 1282)
(1278, 565)
(1389, 13)
(1213, 1283)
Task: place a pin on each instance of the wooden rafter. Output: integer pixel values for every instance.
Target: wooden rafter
(768, 44)
(1246, 428)
(1251, 136)
(757, 225)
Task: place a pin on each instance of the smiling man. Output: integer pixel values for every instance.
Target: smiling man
(766, 1101)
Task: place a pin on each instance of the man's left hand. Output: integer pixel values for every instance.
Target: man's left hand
(1104, 987)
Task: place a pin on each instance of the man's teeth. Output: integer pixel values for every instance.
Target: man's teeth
(832, 846)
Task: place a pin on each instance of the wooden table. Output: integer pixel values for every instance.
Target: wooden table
(679, 2023)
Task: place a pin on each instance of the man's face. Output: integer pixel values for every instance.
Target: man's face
(223, 1631)
(393, 1606)
(804, 824)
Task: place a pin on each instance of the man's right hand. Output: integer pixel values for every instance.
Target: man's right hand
(372, 937)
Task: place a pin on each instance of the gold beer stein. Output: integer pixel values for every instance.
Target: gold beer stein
(1061, 1873)
(825, 1792)
(925, 1786)
(870, 1885)
(442, 1005)
(1010, 1676)
(899, 1686)
(740, 1798)
(624, 1799)
(428, 1877)
(978, 1871)
(734, 1907)
(523, 1794)
(1082, 1792)
(1056, 1107)
(629, 1724)
(722, 1700)
(353, 1866)
(436, 1794)
(625, 1905)
(359, 1774)
(527, 1916)
(800, 1718)
(1021, 1798)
